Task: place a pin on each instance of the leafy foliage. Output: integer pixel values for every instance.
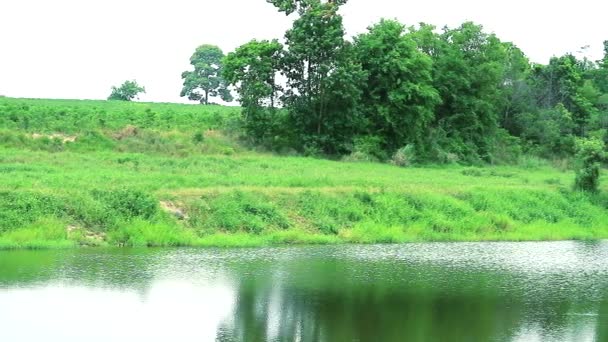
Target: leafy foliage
(253, 69)
(590, 153)
(398, 98)
(127, 91)
(205, 81)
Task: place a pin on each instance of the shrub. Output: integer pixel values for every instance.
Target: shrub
(371, 146)
(359, 157)
(92, 141)
(198, 137)
(129, 203)
(18, 209)
(590, 153)
(405, 156)
(141, 233)
(235, 212)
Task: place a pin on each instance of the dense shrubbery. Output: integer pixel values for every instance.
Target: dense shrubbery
(590, 155)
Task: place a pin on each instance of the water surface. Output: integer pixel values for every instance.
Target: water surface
(555, 291)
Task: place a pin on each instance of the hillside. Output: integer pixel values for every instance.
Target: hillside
(142, 174)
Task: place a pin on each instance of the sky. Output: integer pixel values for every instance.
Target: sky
(79, 49)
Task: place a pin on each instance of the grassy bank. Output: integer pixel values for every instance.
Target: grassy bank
(188, 182)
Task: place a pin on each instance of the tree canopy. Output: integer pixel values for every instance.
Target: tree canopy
(458, 94)
(205, 80)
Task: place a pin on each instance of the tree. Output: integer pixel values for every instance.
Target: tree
(600, 74)
(561, 81)
(253, 69)
(300, 6)
(323, 79)
(205, 81)
(127, 91)
(516, 91)
(468, 69)
(398, 97)
(548, 132)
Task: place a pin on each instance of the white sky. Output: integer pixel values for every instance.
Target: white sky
(80, 48)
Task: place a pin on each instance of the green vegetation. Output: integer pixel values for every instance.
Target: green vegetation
(179, 175)
(500, 140)
(459, 94)
(590, 153)
(205, 81)
(127, 91)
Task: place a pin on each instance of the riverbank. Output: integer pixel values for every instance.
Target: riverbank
(66, 199)
(146, 175)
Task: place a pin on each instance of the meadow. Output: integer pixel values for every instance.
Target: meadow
(104, 173)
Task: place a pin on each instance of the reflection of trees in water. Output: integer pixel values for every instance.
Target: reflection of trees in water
(101, 268)
(337, 305)
(327, 298)
(601, 330)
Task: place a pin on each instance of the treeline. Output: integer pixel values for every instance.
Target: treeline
(411, 93)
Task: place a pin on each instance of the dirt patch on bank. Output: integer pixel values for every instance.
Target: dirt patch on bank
(174, 209)
(62, 137)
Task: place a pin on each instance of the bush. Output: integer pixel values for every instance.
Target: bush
(590, 153)
(405, 156)
(359, 157)
(141, 233)
(92, 141)
(370, 146)
(19, 209)
(129, 203)
(237, 212)
(198, 137)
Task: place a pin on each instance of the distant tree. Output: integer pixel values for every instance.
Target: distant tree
(253, 69)
(127, 91)
(561, 81)
(206, 80)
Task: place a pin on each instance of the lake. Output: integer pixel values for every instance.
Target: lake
(549, 291)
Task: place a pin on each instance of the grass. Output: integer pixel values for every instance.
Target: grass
(189, 182)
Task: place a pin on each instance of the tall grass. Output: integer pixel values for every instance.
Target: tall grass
(96, 172)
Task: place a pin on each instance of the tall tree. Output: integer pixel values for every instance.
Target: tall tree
(468, 68)
(323, 80)
(398, 97)
(562, 82)
(516, 91)
(205, 81)
(253, 69)
(127, 91)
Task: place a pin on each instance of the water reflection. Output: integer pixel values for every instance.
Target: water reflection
(419, 292)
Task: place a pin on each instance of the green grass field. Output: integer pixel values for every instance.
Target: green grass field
(97, 173)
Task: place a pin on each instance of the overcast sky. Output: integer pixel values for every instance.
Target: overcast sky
(80, 48)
